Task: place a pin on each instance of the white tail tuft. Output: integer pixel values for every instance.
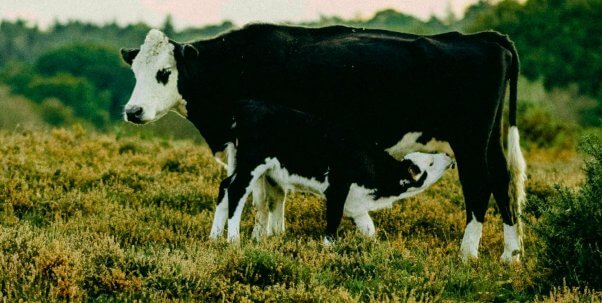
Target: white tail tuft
(517, 168)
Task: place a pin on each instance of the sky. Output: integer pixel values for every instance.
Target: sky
(187, 13)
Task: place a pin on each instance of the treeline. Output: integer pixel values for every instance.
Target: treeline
(74, 71)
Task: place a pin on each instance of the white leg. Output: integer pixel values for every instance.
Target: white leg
(231, 152)
(234, 222)
(277, 199)
(511, 244)
(327, 242)
(262, 210)
(365, 224)
(472, 237)
(277, 218)
(219, 218)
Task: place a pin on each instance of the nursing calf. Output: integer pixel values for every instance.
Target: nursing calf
(271, 145)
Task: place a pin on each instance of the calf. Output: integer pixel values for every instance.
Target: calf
(292, 150)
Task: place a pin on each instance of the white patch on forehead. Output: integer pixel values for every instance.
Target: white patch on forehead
(156, 48)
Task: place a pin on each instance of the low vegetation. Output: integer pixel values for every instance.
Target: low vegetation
(570, 227)
(89, 217)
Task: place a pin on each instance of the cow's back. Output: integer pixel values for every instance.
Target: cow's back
(380, 83)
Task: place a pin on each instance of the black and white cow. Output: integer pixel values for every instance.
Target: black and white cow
(285, 149)
(377, 84)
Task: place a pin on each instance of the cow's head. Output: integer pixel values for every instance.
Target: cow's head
(155, 68)
(424, 170)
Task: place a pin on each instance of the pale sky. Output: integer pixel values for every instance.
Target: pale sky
(202, 12)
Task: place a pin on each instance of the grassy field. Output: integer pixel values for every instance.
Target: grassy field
(89, 217)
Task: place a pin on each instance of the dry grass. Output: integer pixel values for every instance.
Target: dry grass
(88, 217)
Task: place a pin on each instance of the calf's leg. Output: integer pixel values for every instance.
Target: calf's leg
(262, 211)
(238, 191)
(221, 211)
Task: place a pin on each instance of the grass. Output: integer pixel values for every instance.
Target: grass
(89, 217)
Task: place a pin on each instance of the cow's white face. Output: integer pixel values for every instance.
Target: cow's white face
(156, 90)
(433, 165)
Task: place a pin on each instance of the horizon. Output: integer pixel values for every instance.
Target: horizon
(190, 13)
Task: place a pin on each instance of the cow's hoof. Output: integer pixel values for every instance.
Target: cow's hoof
(511, 256)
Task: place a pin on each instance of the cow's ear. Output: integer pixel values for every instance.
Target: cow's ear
(129, 54)
(188, 51)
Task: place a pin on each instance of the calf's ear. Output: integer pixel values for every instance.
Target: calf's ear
(413, 170)
(129, 54)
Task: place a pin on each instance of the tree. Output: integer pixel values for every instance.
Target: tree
(99, 65)
(559, 41)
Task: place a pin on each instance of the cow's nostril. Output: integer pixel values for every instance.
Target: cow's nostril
(134, 114)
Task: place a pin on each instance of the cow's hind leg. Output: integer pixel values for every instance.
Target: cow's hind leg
(500, 181)
(472, 168)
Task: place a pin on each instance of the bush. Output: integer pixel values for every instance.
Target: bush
(570, 228)
(55, 112)
(540, 128)
(75, 92)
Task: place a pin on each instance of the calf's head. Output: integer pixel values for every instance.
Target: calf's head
(424, 170)
(155, 68)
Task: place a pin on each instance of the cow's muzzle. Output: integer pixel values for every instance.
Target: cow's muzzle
(134, 114)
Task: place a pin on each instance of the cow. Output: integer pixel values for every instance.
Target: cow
(289, 150)
(376, 84)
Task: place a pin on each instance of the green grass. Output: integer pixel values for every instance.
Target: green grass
(89, 217)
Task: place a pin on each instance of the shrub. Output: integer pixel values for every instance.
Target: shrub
(540, 128)
(570, 228)
(55, 112)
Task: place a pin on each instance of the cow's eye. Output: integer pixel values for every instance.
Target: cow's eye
(163, 76)
(432, 163)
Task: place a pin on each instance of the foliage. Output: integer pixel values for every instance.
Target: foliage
(558, 41)
(88, 217)
(91, 80)
(55, 113)
(538, 127)
(99, 65)
(75, 92)
(19, 113)
(570, 228)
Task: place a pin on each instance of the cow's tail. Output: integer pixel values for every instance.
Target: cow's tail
(516, 162)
